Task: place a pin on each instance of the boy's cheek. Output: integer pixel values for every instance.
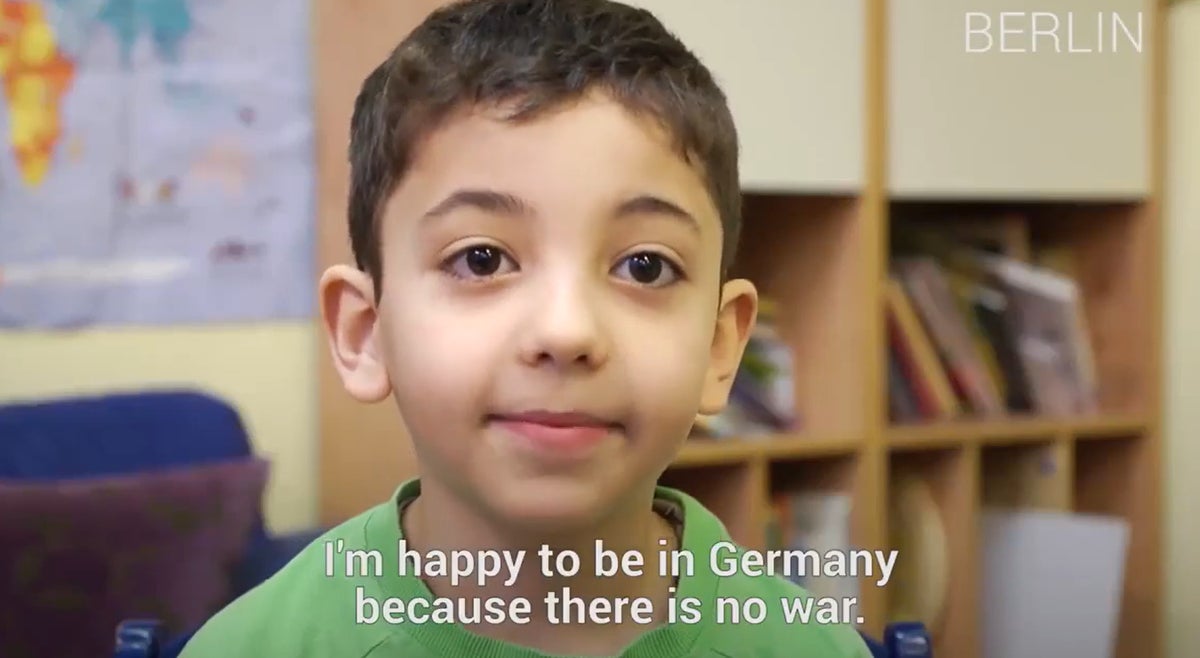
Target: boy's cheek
(667, 363)
(432, 349)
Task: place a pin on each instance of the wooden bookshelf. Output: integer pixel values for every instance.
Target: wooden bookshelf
(817, 241)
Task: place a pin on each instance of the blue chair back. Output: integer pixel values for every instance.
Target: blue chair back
(117, 434)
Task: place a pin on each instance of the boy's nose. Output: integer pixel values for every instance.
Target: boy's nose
(565, 329)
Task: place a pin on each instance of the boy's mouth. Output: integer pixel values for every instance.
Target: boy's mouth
(558, 432)
(555, 419)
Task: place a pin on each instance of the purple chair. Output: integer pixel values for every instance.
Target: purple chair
(137, 432)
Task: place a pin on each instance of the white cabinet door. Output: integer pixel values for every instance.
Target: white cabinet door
(1019, 98)
(793, 72)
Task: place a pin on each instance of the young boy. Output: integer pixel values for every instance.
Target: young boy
(544, 205)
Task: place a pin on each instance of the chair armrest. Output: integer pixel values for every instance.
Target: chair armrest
(268, 555)
(143, 638)
(877, 649)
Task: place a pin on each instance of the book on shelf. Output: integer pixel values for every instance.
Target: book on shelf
(1052, 338)
(1004, 321)
(917, 381)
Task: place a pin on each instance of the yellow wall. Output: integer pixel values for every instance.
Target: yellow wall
(267, 371)
(1182, 323)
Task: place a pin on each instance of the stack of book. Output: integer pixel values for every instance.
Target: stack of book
(981, 323)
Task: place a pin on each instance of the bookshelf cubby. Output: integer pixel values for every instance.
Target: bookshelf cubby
(907, 138)
(1028, 475)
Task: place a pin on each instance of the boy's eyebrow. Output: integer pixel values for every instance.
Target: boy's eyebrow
(503, 203)
(650, 204)
(491, 201)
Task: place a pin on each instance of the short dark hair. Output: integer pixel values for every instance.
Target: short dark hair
(534, 55)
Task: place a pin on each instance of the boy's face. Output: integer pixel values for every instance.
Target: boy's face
(552, 316)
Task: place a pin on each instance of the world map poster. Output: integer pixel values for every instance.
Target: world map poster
(156, 162)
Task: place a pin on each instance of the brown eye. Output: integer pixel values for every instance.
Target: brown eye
(648, 269)
(483, 261)
(479, 262)
(645, 268)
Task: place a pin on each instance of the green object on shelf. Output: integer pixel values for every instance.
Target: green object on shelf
(758, 367)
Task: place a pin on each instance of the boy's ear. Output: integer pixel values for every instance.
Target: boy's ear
(351, 324)
(735, 321)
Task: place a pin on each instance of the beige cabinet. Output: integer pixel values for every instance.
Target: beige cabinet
(1019, 98)
(794, 74)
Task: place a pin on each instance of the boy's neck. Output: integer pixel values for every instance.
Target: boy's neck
(438, 521)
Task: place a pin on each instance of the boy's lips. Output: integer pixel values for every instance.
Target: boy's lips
(555, 419)
(561, 433)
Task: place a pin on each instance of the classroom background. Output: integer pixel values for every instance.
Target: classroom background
(980, 249)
